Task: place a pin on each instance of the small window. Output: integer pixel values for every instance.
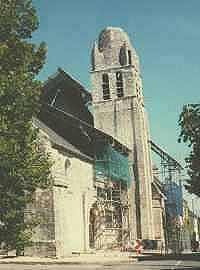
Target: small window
(105, 86)
(119, 84)
(129, 57)
(67, 165)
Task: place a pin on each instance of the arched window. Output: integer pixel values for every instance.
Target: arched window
(67, 165)
(119, 84)
(105, 86)
(129, 58)
(122, 56)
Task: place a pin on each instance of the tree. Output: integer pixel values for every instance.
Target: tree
(189, 122)
(24, 167)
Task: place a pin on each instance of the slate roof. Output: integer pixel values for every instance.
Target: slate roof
(60, 141)
(67, 94)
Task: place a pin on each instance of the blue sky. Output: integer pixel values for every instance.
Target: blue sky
(165, 34)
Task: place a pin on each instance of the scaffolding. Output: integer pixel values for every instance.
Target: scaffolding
(170, 176)
(110, 213)
(111, 164)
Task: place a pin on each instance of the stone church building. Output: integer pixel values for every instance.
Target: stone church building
(104, 194)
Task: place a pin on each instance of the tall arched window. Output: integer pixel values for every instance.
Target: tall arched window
(129, 58)
(122, 56)
(119, 84)
(105, 86)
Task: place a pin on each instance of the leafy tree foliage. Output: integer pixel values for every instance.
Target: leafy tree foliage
(23, 165)
(189, 122)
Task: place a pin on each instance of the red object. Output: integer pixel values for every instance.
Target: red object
(138, 247)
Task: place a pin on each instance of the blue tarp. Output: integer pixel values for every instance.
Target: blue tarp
(174, 203)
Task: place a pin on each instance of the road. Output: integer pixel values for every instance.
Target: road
(143, 265)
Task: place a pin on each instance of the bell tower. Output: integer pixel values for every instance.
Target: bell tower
(118, 107)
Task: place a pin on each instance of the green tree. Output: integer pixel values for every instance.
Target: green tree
(189, 122)
(23, 165)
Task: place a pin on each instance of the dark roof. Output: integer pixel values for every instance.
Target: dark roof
(79, 133)
(61, 75)
(60, 141)
(65, 93)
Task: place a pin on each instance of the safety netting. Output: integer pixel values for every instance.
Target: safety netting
(174, 195)
(111, 164)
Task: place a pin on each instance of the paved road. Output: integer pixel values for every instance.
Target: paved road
(144, 265)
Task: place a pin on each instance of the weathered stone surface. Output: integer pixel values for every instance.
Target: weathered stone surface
(64, 208)
(124, 118)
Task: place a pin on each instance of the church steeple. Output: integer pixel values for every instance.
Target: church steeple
(118, 108)
(114, 57)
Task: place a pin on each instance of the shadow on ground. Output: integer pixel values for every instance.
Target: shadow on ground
(183, 268)
(174, 267)
(182, 257)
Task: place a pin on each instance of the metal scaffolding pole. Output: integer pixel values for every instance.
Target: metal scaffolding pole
(170, 171)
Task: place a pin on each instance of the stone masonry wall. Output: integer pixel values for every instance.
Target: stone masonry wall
(64, 208)
(72, 209)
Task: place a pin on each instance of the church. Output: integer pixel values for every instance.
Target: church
(104, 194)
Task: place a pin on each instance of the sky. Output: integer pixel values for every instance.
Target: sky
(165, 34)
